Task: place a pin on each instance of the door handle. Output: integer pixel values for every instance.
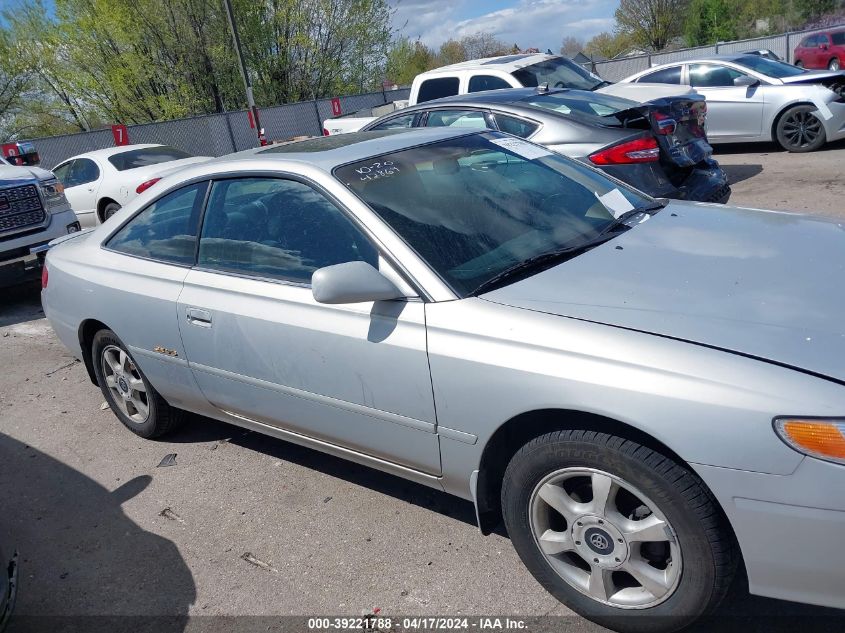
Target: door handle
(197, 316)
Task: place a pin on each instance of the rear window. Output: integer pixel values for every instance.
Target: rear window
(769, 67)
(588, 106)
(558, 72)
(438, 88)
(146, 156)
(838, 38)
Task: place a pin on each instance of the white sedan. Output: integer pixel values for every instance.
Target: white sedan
(99, 183)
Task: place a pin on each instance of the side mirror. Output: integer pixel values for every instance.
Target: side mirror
(823, 46)
(352, 282)
(745, 80)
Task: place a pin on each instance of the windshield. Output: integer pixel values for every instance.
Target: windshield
(476, 205)
(146, 156)
(769, 67)
(558, 72)
(590, 106)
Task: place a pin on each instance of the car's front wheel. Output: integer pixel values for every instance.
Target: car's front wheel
(619, 533)
(128, 392)
(800, 130)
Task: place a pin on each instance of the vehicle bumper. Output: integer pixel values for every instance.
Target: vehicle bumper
(21, 257)
(790, 529)
(706, 182)
(9, 591)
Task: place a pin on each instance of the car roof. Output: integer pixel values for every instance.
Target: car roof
(328, 152)
(504, 96)
(507, 63)
(111, 151)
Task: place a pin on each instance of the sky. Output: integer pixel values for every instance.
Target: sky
(529, 23)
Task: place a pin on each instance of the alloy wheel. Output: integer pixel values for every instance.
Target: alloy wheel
(125, 384)
(605, 538)
(801, 128)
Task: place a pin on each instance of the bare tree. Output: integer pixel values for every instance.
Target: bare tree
(651, 23)
(571, 46)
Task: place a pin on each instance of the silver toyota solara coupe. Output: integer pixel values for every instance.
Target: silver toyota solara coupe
(650, 394)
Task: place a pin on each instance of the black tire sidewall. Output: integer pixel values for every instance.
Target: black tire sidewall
(695, 592)
(110, 209)
(147, 429)
(819, 142)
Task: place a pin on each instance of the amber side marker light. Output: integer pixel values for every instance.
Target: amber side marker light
(824, 439)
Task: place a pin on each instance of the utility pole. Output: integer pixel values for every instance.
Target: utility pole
(250, 100)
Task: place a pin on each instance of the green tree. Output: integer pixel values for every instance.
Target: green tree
(451, 52)
(608, 45)
(711, 21)
(407, 59)
(651, 23)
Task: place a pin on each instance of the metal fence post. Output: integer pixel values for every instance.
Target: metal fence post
(717, 48)
(319, 122)
(648, 61)
(789, 56)
(231, 133)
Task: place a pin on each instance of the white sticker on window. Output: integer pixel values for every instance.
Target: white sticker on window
(521, 148)
(615, 202)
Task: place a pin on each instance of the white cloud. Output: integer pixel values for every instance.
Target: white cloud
(539, 23)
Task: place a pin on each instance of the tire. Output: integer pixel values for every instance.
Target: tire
(694, 546)
(143, 411)
(799, 64)
(795, 126)
(110, 209)
(833, 65)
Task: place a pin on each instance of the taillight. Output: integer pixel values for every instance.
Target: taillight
(146, 185)
(44, 276)
(640, 150)
(325, 132)
(664, 123)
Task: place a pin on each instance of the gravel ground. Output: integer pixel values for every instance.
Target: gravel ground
(244, 524)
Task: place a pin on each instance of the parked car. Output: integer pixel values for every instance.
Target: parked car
(821, 50)
(659, 147)
(637, 387)
(751, 98)
(33, 211)
(507, 71)
(98, 183)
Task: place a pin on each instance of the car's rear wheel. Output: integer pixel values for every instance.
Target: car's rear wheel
(619, 533)
(834, 64)
(799, 63)
(128, 392)
(800, 130)
(110, 209)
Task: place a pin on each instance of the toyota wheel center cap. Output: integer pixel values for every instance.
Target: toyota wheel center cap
(599, 542)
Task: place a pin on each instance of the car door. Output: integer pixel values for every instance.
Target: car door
(733, 112)
(262, 348)
(81, 178)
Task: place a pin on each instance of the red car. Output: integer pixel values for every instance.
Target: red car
(821, 50)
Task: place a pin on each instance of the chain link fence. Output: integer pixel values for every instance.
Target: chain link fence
(783, 44)
(217, 134)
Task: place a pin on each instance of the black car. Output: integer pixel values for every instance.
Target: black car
(659, 147)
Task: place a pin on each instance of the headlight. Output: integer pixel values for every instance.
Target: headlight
(53, 193)
(823, 438)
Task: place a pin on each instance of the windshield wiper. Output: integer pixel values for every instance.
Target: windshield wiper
(622, 220)
(538, 261)
(601, 84)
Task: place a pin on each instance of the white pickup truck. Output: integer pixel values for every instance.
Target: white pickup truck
(509, 71)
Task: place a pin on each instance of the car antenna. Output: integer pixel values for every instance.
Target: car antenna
(543, 87)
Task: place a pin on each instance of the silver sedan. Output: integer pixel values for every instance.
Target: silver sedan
(640, 389)
(752, 98)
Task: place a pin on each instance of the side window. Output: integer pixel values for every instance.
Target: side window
(823, 39)
(62, 172)
(712, 76)
(457, 118)
(397, 122)
(166, 230)
(437, 88)
(515, 126)
(269, 227)
(663, 76)
(810, 42)
(84, 170)
(487, 82)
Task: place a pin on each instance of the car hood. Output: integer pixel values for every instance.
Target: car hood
(760, 283)
(812, 77)
(11, 174)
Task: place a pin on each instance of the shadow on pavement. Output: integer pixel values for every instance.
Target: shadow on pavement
(84, 565)
(738, 173)
(20, 304)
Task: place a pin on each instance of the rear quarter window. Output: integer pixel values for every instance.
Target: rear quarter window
(438, 88)
(838, 39)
